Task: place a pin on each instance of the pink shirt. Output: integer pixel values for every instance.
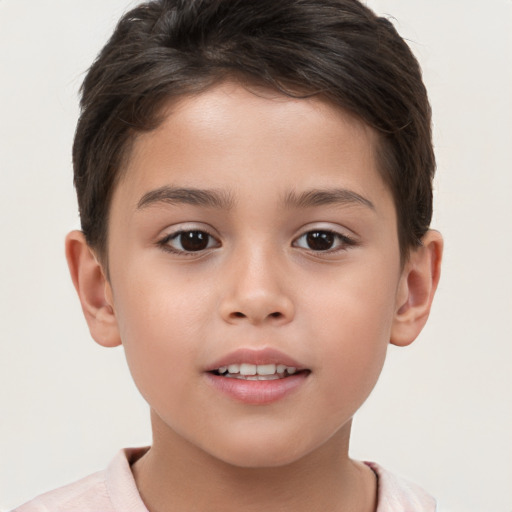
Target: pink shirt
(114, 490)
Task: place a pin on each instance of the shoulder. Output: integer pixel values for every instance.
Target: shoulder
(110, 490)
(398, 495)
(86, 494)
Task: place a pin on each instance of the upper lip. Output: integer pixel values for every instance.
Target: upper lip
(255, 356)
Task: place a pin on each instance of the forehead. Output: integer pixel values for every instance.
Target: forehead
(233, 117)
(231, 132)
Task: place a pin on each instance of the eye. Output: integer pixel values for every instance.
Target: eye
(321, 240)
(188, 241)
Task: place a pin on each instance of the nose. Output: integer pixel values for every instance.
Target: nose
(256, 291)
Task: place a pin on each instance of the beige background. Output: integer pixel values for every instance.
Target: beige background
(442, 413)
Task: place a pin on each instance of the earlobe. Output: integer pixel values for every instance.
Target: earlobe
(416, 290)
(93, 290)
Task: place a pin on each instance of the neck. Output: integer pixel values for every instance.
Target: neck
(175, 475)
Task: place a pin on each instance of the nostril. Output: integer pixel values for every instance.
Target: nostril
(239, 314)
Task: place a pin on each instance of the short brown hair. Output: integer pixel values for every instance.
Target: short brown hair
(335, 48)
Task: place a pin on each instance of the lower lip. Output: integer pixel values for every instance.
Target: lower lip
(257, 391)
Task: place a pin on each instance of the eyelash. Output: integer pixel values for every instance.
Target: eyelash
(343, 242)
(164, 243)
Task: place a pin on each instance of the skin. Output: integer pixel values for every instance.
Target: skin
(258, 283)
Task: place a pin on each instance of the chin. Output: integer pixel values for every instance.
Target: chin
(258, 452)
(258, 460)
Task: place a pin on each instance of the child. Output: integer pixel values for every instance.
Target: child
(254, 184)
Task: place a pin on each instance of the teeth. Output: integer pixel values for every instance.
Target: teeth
(253, 371)
(247, 369)
(252, 377)
(266, 369)
(234, 368)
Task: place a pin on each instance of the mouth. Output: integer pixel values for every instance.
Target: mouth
(257, 377)
(261, 372)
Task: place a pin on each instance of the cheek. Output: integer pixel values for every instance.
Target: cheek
(355, 348)
(355, 305)
(352, 325)
(159, 325)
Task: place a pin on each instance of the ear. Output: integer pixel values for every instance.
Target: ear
(93, 290)
(416, 289)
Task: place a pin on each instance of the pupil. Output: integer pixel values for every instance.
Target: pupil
(320, 240)
(194, 240)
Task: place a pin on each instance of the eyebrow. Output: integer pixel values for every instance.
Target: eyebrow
(193, 196)
(319, 197)
(224, 200)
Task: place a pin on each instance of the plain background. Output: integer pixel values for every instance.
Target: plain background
(441, 414)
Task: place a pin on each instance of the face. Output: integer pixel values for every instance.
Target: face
(254, 267)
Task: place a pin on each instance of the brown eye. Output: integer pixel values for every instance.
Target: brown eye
(323, 241)
(189, 241)
(320, 240)
(194, 240)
